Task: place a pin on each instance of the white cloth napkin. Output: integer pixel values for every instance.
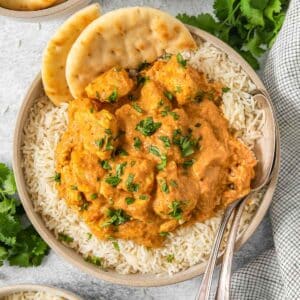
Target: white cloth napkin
(276, 274)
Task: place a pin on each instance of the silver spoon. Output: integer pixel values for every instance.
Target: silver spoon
(225, 275)
(265, 152)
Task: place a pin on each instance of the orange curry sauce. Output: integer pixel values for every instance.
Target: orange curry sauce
(149, 152)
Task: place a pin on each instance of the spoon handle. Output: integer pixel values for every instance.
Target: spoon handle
(225, 276)
(204, 290)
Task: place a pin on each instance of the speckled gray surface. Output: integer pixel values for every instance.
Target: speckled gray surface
(21, 46)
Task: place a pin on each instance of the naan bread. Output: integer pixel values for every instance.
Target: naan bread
(56, 52)
(124, 37)
(27, 4)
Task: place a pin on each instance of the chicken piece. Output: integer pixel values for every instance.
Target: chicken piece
(110, 86)
(173, 201)
(183, 82)
(97, 130)
(241, 172)
(86, 171)
(152, 97)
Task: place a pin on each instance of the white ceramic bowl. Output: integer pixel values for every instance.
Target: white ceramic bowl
(35, 91)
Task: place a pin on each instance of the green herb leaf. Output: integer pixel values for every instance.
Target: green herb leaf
(137, 107)
(147, 126)
(57, 177)
(163, 162)
(188, 163)
(164, 186)
(173, 183)
(225, 90)
(97, 261)
(137, 143)
(166, 141)
(65, 238)
(131, 186)
(116, 245)
(129, 200)
(176, 211)
(113, 96)
(154, 150)
(144, 197)
(169, 95)
(113, 180)
(116, 217)
(120, 169)
(94, 196)
(164, 233)
(170, 258)
(99, 143)
(181, 60)
(105, 165)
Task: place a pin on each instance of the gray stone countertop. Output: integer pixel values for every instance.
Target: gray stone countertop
(21, 46)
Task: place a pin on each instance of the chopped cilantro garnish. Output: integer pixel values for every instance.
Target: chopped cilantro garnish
(108, 131)
(154, 150)
(225, 89)
(174, 115)
(109, 145)
(147, 126)
(164, 233)
(116, 217)
(116, 245)
(131, 186)
(65, 238)
(170, 258)
(105, 165)
(143, 197)
(120, 169)
(137, 107)
(173, 183)
(137, 143)
(113, 180)
(164, 186)
(121, 152)
(187, 144)
(181, 60)
(113, 96)
(176, 211)
(161, 102)
(168, 95)
(188, 163)
(99, 143)
(57, 177)
(142, 80)
(166, 141)
(84, 205)
(178, 89)
(129, 200)
(94, 196)
(163, 162)
(97, 261)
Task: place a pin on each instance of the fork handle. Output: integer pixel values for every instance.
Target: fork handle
(225, 276)
(204, 290)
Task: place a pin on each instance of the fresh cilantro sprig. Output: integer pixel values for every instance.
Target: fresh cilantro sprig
(249, 26)
(20, 245)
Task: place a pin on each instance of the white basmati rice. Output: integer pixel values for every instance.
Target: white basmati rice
(189, 245)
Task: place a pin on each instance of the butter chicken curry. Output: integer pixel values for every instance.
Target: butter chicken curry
(148, 151)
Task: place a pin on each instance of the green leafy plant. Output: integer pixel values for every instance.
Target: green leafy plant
(249, 26)
(20, 245)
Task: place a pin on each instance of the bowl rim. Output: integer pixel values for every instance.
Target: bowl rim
(46, 13)
(11, 289)
(138, 279)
